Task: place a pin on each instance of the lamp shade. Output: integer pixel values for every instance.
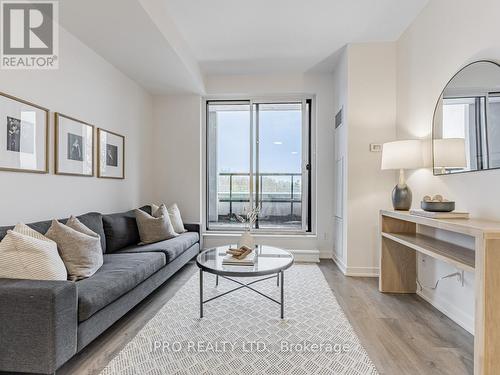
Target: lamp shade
(449, 153)
(402, 155)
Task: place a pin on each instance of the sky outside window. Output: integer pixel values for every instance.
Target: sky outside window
(280, 141)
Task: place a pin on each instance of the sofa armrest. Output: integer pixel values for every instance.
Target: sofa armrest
(195, 227)
(38, 324)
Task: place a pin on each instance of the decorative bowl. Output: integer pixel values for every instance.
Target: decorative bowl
(437, 206)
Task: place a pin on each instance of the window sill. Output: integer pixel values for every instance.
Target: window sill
(260, 234)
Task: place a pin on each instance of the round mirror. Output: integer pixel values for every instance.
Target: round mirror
(466, 124)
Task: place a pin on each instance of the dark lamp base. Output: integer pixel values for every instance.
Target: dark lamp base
(401, 197)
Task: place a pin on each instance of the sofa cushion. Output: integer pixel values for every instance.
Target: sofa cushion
(92, 220)
(171, 248)
(121, 229)
(119, 274)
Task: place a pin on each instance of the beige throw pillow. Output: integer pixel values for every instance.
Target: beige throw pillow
(77, 225)
(154, 229)
(80, 248)
(176, 219)
(162, 211)
(27, 254)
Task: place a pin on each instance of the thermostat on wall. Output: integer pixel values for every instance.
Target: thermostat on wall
(375, 147)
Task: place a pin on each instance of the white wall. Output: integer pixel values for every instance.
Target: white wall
(429, 53)
(177, 153)
(440, 41)
(177, 122)
(340, 94)
(369, 98)
(88, 88)
(371, 119)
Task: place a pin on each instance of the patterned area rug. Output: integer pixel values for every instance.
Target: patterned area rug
(241, 332)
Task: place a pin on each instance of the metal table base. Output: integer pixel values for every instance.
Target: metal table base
(243, 285)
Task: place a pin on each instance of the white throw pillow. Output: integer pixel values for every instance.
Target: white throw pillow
(176, 219)
(27, 254)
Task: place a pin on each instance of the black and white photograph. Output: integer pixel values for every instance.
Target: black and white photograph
(25, 128)
(13, 134)
(111, 154)
(74, 146)
(20, 136)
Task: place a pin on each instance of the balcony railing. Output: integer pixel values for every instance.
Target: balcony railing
(278, 195)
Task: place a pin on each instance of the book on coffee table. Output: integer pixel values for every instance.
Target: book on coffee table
(441, 215)
(249, 260)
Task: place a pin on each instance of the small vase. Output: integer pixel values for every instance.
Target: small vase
(246, 239)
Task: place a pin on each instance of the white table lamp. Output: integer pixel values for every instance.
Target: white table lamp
(449, 153)
(402, 155)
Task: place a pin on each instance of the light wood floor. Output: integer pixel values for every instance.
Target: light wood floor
(402, 333)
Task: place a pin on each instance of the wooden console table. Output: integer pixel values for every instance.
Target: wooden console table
(401, 241)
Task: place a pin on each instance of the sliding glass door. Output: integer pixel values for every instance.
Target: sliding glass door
(258, 155)
(228, 163)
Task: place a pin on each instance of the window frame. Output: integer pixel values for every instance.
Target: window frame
(308, 133)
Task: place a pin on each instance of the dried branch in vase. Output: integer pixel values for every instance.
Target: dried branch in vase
(251, 218)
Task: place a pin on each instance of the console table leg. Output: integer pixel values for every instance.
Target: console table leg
(487, 313)
(201, 293)
(216, 280)
(398, 263)
(282, 295)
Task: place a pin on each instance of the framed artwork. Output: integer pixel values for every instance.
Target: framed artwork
(74, 146)
(111, 154)
(24, 136)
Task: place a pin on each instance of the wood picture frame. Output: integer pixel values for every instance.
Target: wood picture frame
(18, 139)
(110, 161)
(80, 146)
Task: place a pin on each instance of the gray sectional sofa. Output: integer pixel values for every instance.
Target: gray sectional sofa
(45, 323)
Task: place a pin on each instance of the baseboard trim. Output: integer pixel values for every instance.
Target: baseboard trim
(306, 256)
(448, 309)
(362, 271)
(340, 264)
(325, 255)
(356, 271)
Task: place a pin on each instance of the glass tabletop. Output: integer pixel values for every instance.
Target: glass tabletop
(268, 260)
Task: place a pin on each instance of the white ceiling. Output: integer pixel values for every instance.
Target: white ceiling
(126, 33)
(235, 36)
(168, 45)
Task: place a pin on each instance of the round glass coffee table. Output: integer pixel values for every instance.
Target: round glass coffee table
(270, 262)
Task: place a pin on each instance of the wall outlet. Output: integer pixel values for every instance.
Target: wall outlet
(375, 147)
